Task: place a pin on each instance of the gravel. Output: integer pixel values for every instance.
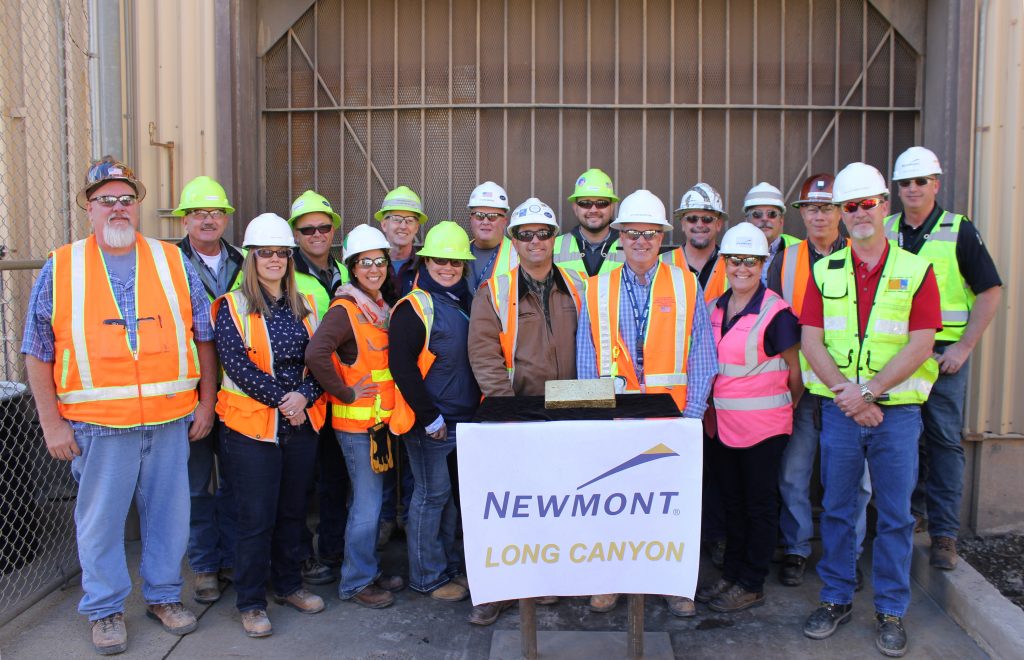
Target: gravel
(1001, 560)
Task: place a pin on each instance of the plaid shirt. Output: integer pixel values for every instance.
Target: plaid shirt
(701, 366)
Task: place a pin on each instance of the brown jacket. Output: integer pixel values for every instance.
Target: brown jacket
(542, 354)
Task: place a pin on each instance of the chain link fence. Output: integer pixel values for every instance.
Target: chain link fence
(44, 150)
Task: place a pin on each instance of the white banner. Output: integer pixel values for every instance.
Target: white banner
(582, 507)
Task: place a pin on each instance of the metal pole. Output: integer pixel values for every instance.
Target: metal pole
(528, 628)
(635, 625)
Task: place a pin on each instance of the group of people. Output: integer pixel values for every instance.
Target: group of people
(220, 387)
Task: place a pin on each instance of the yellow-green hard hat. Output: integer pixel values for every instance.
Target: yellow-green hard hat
(446, 240)
(312, 202)
(401, 198)
(593, 183)
(202, 192)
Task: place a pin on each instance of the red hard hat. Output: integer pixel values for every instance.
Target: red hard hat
(817, 189)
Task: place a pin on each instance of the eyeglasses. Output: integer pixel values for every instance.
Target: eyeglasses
(309, 231)
(367, 262)
(694, 219)
(527, 235)
(757, 215)
(266, 253)
(866, 204)
(819, 208)
(590, 203)
(202, 214)
(920, 181)
(637, 234)
(402, 219)
(749, 262)
(441, 261)
(480, 215)
(110, 201)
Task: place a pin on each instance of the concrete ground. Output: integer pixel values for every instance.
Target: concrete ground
(418, 627)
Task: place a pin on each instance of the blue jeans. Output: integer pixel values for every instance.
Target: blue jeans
(795, 521)
(891, 453)
(150, 466)
(433, 556)
(211, 538)
(361, 565)
(399, 478)
(271, 480)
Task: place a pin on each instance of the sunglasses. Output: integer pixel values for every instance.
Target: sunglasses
(527, 235)
(866, 204)
(110, 201)
(749, 262)
(757, 215)
(202, 214)
(309, 231)
(590, 203)
(920, 181)
(637, 234)
(480, 215)
(266, 253)
(694, 219)
(441, 261)
(402, 220)
(367, 262)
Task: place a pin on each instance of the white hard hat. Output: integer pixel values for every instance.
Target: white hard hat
(363, 238)
(915, 162)
(764, 194)
(532, 212)
(701, 197)
(642, 206)
(857, 181)
(268, 229)
(745, 239)
(490, 194)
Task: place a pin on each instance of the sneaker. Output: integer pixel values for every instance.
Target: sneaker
(736, 599)
(717, 552)
(109, 636)
(373, 597)
(708, 592)
(680, 606)
(450, 593)
(206, 589)
(791, 573)
(604, 602)
(546, 600)
(384, 532)
(943, 553)
(892, 636)
(174, 617)
(302, 600)
(313, 572)
(392, 583)
(256, 623)
(823, 621)
(485, 614)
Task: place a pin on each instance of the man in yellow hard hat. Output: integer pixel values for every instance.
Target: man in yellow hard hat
(592, 246)
(315, 222)
(401, 216)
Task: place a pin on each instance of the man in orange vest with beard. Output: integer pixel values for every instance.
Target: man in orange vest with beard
(117, 338)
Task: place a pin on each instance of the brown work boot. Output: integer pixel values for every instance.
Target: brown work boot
(174, 617)
(736, 599)
(604, 602)
(943, 553)
(681, 606)
(373, 597)
(546, 600)
(302, 600)
(709, 591)
(109, 636)
(485, 614)
(256, 623)
(206, 588)
(450, 593)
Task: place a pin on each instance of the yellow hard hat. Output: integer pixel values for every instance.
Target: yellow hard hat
(312, 202)
(594, 183)
(202, 192)
(401, 198)
(446, 240)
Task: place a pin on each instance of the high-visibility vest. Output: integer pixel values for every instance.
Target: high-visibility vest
(751, 391)
(504, 289)
(955, 296)
(404, 418)
(669, 327)
(506, 259)
(239, 411)
(788, 240)
(887, 329)
(309, 285)
(796, 270)
(568, 254)
(99, 378)
(372, 359)
(717, 283)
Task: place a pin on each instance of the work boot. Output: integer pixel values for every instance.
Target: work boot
(708, 592)
(546, 600)
(256, 623)
(736, 599)
(109, 636)
(384, 532)
(604, 602)
(450, 593)
(823, 621)
(373, 597)
(174, 617)
(680, 606)
(313, 572)
(485, 614)
(892, 637)
(302, 600)
(943, 553)
(461, 580)
(206, 588)
(791, 573)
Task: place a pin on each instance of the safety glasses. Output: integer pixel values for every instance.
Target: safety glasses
(637, 234)
(266, 253)
(591, 203)
(527, 235)
(110, 201)
(481, 216)
(920, 181)
(402, 220)
(694, 219)
(819, 208)
(366, 262)
(203, 214)
(441, 261)
(757, 215)
(309, 231)
(865, 204)
(749, 262)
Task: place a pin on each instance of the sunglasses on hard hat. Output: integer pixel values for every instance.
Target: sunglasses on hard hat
(590, 203)
(866, 204)
(110, 201)
(367, 262)
(757, 215)
(920, 181)
(480, 215)
(527, 235)
(694, 219)
(309, 231)
(266, 253)
(749, 262)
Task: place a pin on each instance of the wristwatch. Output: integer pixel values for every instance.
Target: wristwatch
(867, 394)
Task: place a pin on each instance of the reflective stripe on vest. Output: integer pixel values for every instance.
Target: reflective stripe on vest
(567, 254)
(371, 359)
(403, 418)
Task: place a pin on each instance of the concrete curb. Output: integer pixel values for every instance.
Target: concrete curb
(996, 624)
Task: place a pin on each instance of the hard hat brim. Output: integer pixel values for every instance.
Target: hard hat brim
(573, 198)
(379, 215)
(182, 211)
(680, 212)
(335, 218)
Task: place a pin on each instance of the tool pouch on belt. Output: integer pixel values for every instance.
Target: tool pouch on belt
(381, 457)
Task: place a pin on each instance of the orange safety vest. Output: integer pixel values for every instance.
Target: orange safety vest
(796, 270)
(404, 418)
(99, 378)
(717, 284)
(669, 329)
(238, 410)
(371, 358)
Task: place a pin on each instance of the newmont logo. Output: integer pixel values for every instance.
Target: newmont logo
(654, 453)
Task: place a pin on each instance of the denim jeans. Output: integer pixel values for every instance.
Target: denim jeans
(211, 538)
(270, 480)
(398, 481)
(795, 520)
(151, 466)
(891, 453)
(433, 556)
(361, 565)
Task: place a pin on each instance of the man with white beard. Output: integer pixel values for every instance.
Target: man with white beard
(130, 321)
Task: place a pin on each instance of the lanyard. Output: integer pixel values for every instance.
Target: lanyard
(640, 314)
